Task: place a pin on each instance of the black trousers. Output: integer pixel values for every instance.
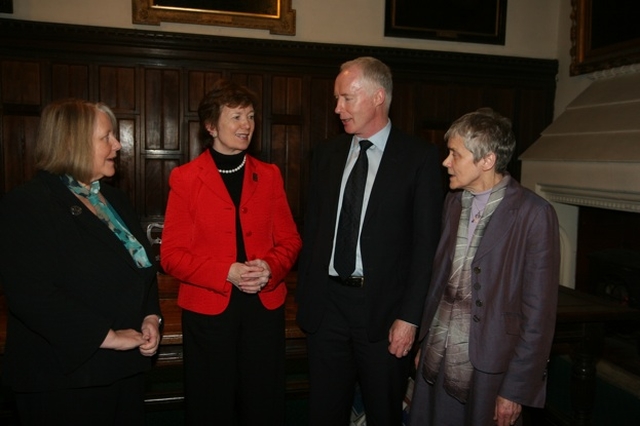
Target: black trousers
(118, 404)
(234, 364)
(340, 354)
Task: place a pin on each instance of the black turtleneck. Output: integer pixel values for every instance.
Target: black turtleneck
(233, 182)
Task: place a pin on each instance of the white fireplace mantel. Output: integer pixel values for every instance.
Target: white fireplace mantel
(589, 156)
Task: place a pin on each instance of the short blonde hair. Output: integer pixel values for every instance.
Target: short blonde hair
(65, 137)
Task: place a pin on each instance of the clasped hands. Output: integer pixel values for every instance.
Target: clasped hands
(146, 340)
(250, 277)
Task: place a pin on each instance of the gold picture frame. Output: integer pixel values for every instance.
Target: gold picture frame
(604, 35)
(277, 16)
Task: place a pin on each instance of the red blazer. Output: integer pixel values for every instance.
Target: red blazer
(199, 236)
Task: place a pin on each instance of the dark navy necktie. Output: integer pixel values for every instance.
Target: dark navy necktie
(344, 260)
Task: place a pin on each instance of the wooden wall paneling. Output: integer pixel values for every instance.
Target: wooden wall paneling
(433, 101)
(199, 83)
(127, 162)
(156, 170)
(118, 88)
(286, 134)
(193, 135)
(162, 109)
(162, 148)
(22, 95)
(533, 113)
(69, 81)
(465, 98)
(501, 100)
(324, 122)
(18, 137)
(155, 80)
(286, 154)
(403, 112)
(21, 82)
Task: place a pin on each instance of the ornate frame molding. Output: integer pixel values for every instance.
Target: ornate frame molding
(600, 43)
(282, 22)
(589, 197)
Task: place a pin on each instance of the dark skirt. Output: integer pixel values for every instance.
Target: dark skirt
(431, 405)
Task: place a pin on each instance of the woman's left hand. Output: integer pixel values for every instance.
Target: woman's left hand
(255, 277)
(151, 335)
(506, 412)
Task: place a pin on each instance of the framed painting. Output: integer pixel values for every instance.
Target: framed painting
(473, 21)
(277, 16)
(6, 6)
(604, 34)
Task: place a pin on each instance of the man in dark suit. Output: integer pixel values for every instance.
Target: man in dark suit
(490, 312)
(360, 304)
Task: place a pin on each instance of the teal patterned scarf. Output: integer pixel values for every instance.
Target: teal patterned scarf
(110, 217)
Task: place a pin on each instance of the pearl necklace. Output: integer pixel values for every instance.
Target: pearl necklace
(244, 160)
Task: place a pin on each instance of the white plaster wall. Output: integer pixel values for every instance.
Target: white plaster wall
(532, 25)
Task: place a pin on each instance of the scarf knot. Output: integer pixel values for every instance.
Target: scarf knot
(109, 217)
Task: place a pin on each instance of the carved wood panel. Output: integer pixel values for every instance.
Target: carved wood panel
(17, 156)
(154, 82)
(21, 82)
(69, 81)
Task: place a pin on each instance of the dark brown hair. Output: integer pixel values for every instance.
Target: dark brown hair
(224, 93)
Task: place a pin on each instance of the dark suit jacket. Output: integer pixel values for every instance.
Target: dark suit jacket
(399, 233)
(515, 279)
(68, 279)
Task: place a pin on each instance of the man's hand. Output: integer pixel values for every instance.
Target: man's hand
(401, 337)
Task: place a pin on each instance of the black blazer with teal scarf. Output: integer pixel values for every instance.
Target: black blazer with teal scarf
(68, 280)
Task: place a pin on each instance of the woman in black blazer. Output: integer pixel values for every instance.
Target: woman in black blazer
(82, 293)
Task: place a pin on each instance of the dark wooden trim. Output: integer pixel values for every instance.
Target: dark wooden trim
(154, 46)
(294, 80)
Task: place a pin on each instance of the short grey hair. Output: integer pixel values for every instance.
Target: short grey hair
(485, 131)
(374, 72)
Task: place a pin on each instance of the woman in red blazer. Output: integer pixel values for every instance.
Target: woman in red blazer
(230, 238)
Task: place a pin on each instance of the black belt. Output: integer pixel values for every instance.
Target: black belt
(348, 281)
